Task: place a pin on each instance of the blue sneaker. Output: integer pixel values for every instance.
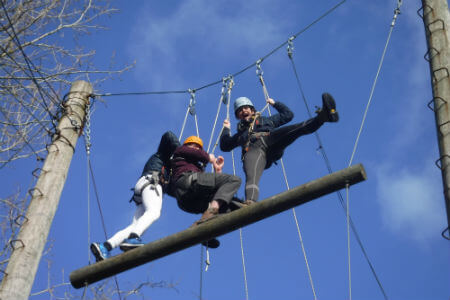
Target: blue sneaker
(131, 243)
(100, 252)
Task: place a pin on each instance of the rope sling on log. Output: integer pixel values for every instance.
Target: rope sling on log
(218, 226)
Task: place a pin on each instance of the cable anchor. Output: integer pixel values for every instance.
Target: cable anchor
(259, 71)
(230, 84)
(290, 47)
(223, 94)
(192, 102)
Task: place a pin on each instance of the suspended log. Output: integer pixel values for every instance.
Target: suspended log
(218, 226)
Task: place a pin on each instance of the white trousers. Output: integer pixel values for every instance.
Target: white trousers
(146, 213)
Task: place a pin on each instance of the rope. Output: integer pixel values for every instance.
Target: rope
(348, 245)
(222, 95)
(396, 13)
(87, 138)
(241, 238)
(328, 165)
(228, 97)
(201, 273)
(234, 74)
(259, 73)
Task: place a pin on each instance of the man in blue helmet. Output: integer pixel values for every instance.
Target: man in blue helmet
(263, 140)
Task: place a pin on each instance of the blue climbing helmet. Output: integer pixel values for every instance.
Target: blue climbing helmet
(242, 101)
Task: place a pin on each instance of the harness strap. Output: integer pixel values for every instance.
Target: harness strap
(152, 180)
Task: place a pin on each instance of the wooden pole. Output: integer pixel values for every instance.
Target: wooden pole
(30, 242)
(436, 19)
(218, 226)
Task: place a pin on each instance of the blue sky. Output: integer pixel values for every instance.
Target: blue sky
(399, 211)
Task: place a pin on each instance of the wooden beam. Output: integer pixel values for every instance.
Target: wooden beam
(218, 226)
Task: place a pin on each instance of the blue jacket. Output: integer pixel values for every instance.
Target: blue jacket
(262, 124)
(169, 142)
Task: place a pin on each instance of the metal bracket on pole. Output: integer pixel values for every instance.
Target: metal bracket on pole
(17, 219)
(442, 125)
(34, 173)
(428, 27)
(13, 242)
(30, 192)
(438, 70)
(434, 103)
(439, 160)
(429, 57)
(422, 9)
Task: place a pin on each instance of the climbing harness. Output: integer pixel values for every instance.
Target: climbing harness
(151, 180)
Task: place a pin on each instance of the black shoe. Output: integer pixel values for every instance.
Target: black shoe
(328, 112)
(212, 243)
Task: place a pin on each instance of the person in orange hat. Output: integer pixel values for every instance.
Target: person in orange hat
(197, 191)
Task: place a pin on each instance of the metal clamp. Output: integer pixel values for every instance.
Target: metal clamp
(423, 10)
(17, 219)
(47, 147)
(34, 172)
(259, 71)
(438, 161)
(441, 125)
(440, 69)
(290, 47)
(443, 233)
(432, 23)
(223, 94)
(192, 102)
(434, 103)
(428, 57)
(13, 246)
(30, 191)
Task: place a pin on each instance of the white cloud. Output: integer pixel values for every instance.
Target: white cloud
(198, 34)
(412, 203)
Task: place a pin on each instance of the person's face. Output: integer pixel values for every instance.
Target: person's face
(194, 146)
(245, 113)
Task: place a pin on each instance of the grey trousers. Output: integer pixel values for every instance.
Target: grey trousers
(263, 151)
(194, 191)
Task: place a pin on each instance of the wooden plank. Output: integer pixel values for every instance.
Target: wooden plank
(218, 226)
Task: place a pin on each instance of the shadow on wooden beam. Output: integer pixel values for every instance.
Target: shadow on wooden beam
(218, 226)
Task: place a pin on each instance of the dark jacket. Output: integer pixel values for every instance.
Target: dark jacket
(169, 142)
(262, 124)
(186, 159)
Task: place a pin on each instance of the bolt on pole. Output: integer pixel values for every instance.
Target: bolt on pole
(25, 258)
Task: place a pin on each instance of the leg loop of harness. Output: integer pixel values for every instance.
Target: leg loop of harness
(151, 180)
